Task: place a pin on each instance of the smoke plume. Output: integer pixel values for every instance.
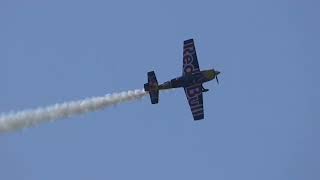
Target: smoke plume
(28, 118)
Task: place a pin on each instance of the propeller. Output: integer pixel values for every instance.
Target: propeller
(216, 73)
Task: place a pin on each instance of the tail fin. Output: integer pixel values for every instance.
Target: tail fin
(152, 87)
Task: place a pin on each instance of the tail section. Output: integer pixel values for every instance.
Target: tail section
(152, 87)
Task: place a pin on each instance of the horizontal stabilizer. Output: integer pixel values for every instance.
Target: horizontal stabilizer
(152, 87)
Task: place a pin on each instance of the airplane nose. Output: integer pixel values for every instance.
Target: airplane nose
(217, 72)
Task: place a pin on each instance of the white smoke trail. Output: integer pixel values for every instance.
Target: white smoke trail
(28, 118)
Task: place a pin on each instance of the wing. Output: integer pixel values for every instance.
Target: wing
(195, 100)
(190, 60)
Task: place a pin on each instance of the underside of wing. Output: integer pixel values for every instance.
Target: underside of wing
(190, 60)
(195, 100)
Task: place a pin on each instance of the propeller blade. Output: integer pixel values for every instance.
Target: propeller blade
(217, 79)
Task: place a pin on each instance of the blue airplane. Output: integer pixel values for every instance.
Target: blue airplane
(191, 80)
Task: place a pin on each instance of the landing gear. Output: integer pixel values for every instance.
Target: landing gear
(204, 90)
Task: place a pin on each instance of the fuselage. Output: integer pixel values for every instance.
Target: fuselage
(190, 79)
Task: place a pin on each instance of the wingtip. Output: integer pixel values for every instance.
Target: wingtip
(188, 41)
(197, 118)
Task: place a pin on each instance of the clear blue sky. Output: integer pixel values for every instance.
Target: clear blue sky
(261, 122)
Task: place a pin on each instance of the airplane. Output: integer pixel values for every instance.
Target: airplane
(191, 80)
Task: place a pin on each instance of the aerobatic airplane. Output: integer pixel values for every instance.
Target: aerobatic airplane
(191, 80)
